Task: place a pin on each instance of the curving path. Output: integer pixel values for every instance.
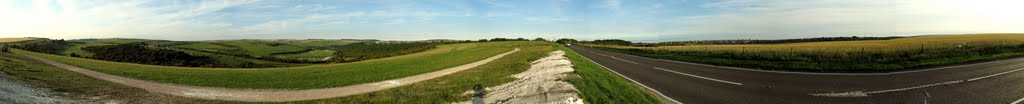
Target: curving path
(996, 82)
(267, 95)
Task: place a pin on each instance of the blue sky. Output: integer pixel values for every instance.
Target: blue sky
(643, 20)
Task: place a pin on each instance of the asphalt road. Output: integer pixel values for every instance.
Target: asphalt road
(997, 82)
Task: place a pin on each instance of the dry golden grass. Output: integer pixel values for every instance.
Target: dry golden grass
(4, 40)
(940, 41)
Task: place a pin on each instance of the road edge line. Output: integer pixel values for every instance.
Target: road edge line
(630, 79)
(812, 73)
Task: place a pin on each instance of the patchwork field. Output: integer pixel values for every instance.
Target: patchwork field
(844, 56)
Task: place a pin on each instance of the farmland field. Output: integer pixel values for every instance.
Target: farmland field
(308, 55)
(844, 56)
(306, 77)
(2, 40)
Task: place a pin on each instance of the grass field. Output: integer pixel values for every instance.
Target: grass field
(211, 47)
(597, 85)
(77, 49)
(238, 61)
(259, 49)
(71, 85)
(845, 56)
(306, 77)
(4, 40)
(310, 55)
(314, 42)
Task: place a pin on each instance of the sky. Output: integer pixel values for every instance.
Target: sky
(638, 20)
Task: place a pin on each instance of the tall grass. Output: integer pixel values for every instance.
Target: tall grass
(846, 56)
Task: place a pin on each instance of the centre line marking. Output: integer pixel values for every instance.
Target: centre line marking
(701, 77)
(865, 94)
(1018, 101)
(613, 57)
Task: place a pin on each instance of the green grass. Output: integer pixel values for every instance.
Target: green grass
(37, 74)
(207, 47)
(844, 56)
(306, 77)
(237, 61)
(77, 49)
(259, 49)
(314, 42)
(311, 55)
(600, 86)
(597, 85)
(449, 88)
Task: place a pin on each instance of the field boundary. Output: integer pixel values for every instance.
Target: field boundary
(266, 95)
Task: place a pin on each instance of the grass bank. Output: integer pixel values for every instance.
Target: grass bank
(844, 56)
(72, 85)
(600, 86)
(305, 77)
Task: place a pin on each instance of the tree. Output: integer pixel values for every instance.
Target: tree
(540, 39)
(482, 40)
(521, 39)
(566, 41)
(5, 48)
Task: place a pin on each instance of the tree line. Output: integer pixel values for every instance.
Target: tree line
(372, 50)
(45, 45)
(141, 54)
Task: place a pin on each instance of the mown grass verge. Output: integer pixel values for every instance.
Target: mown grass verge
(600, 86)
(844, 56)
(306, 77)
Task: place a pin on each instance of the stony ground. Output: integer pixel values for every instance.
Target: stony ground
(541, 84)
(19, 93)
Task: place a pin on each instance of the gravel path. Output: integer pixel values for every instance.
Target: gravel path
(266, 95)
(19, 93)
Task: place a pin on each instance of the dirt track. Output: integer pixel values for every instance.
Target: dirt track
(266, 95)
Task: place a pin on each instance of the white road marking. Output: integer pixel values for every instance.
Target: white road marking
(813, 73)
(865, 94)
(993, 75)
(631, 79)
(701, 77)
(1018, 101)
(616, 58)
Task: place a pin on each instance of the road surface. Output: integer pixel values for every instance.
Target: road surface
(997, 82)
(266, 95)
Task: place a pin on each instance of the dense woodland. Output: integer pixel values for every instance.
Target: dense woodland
(141, 54)
(44, 45)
